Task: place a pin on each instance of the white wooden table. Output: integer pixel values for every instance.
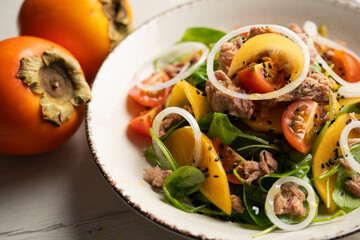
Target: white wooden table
(61, 194)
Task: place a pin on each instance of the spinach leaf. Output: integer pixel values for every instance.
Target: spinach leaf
(181, 183)
(208, 36)
(222, 127)
(199, 77)
(255, 205)
(184, 181)
(293, 154)
(343, 199)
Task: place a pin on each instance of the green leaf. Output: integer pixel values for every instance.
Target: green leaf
(221, 127)
(169, 158)
(316, 67)
(208, 36)
(293, 154)
(184, 181)
(150, 155)
(341, 197)
(349, 108)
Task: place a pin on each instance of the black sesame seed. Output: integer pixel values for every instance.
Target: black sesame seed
(265, 74)
(265, 70)
(342, 96)
(320, 63)
(297, 109)
(348, 121)
(322, 165)
(228, 171)
(317, 132)
(340, 68)
(217, 159)
(264, 65)
(291, 124)
(234, 166)
(270, 66)
(315, 125)
(221, 156)
(207, 175)
(327, 164)
(216, 176)
(222, 145)
(271, 130)
(197, 91)
(209, 148)
(342, 193)
(269, 121)
(205, 170)
(253, 118)
(275, 89)
(316, 116)
(244, 62)
(269, 75)
(349, 178)
(343, 74)
(204, 94)
(338, 144)
(230, 151)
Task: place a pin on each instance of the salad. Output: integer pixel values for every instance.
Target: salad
(259, 125)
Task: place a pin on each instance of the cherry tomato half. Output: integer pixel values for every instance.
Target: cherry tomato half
(262, 78)
(143, 122)
(229, 159)
(152, 99)
(301, 123)
(346, 66)
(23, 129)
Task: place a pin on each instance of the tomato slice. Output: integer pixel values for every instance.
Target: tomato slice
(152, 99)
(346, 66)
(143, 122)
(301, 124)
(262, 78)
(230, 159)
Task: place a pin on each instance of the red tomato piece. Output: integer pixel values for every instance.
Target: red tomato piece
(143, 122)
(152, 99)
(346, 66)
(229, 159)
(301, 124)
(262, 78)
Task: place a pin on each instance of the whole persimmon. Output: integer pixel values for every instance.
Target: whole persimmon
(42, 95)
(89, 29)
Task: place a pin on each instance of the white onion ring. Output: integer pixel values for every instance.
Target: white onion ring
(344, 145)
(269, 204)
(311, 30)
(185, 71)
(193, 124)
(257, 96)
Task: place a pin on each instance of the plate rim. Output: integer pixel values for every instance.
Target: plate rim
(351, 4)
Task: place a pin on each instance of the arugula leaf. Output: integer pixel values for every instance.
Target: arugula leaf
(208, 36)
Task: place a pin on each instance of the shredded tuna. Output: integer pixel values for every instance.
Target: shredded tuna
(227, 53)
(254, 170)
(352, 186)
(173, 69)
(222, 102)
(172, 119)
(155, 176)
(254, 31)
(237, 204)
(295, 28)
(353, 141)
(289, 200)
(346, 164)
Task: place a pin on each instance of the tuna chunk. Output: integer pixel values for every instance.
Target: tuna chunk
(346, 164)
(237, 204)
(353, 186)
(254, 170)
(155, 176)
(221, 102)
(257, 31)
(171, 120)
(227, 53)
(174, 69)
(290, 200)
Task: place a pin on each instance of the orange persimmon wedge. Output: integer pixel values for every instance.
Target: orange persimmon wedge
(216, 187)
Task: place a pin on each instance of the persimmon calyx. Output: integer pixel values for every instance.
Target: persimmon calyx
(119, 21)
(56, 77)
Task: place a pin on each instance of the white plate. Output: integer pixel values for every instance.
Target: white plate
(118, 150)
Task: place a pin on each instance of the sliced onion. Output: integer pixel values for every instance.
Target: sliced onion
(275, 189)
(193, 124)
(344, 145)
(174, 52)
(348, 89)
(257, 96)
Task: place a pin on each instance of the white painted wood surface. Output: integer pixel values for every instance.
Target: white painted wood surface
(61, 194)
